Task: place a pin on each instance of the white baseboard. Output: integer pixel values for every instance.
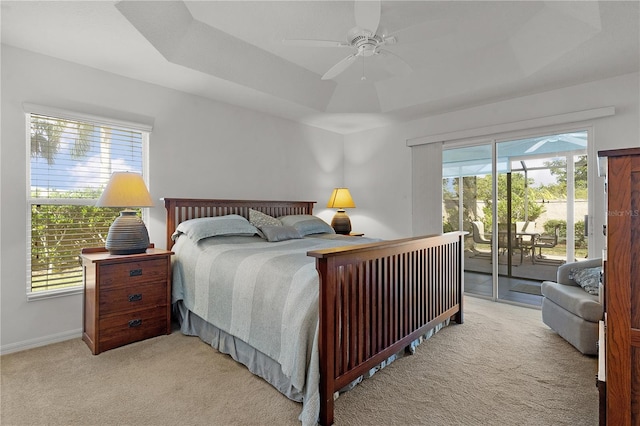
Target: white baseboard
(40, 341)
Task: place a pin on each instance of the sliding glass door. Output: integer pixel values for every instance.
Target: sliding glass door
(467, 181)
(524, 203)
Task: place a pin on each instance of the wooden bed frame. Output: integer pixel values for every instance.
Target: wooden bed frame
(375, 299)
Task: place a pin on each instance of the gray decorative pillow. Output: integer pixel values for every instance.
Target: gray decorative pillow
(206, 227)
(588, 279)
(259, 219)
(307, 224)
(280, 233)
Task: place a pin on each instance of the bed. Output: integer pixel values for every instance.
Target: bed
(370, 300)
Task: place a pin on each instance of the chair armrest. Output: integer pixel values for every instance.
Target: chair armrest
(565, 270)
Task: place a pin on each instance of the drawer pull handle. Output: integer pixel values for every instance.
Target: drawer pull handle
(135, 297)
(135, 272)
(135, 323)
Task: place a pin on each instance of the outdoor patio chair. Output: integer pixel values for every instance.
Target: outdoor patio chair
(545, 241)
(503, 240)
(478, 235)
(526, 230)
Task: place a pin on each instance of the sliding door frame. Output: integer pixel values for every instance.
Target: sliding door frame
(494, 140)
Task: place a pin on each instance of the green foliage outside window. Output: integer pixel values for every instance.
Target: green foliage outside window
(478, 189)
(580, 239)
(58, 234)
(558, 168)
(518, 191)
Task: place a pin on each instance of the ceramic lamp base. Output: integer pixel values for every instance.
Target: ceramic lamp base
(341, 223)
(127, 234)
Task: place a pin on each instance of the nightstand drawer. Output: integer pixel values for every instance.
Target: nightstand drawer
(121, 329)
(126, 274)
(138, 297)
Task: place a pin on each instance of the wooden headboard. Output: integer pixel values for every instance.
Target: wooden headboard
(181, 209)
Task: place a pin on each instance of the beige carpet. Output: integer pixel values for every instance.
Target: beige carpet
(501, 367)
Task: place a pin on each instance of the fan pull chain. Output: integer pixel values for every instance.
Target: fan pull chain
(363, 78)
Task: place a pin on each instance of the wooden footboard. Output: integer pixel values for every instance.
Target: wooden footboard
(377, 298)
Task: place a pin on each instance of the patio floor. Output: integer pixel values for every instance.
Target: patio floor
(521, 286)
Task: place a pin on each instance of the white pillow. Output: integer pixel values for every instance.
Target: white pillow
(206, 227)
(307, 224)
(280, 233)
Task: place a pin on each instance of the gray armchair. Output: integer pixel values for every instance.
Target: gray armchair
(570, 311)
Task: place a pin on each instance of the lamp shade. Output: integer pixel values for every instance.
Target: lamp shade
(341, 199)
(125, 189)
(128, 233)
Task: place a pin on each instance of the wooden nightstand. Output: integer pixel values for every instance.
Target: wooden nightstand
(126, 297)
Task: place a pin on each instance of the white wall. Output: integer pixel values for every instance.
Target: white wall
(198, 148)
(378, 162)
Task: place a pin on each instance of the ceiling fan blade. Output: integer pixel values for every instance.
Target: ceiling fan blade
(394, 63)
(340, 67)
(367, 14)
(315, 43)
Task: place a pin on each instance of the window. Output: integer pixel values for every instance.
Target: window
(71, 160)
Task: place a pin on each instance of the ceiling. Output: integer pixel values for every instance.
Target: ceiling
(461, 54)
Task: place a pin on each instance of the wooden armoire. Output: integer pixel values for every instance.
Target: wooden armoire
(620, 403)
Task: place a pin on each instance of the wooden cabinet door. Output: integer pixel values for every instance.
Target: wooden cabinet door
(622, 288)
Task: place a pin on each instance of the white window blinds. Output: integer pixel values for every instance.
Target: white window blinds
(70, 164)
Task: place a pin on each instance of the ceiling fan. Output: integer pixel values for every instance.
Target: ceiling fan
(367, 38)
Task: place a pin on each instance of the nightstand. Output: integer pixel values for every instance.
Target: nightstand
(127, 298)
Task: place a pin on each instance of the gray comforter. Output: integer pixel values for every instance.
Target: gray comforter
(262, 292)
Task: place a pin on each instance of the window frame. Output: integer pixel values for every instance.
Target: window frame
(32, 109)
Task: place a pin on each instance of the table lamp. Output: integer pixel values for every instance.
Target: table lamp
(341, 199)
(128, 233)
